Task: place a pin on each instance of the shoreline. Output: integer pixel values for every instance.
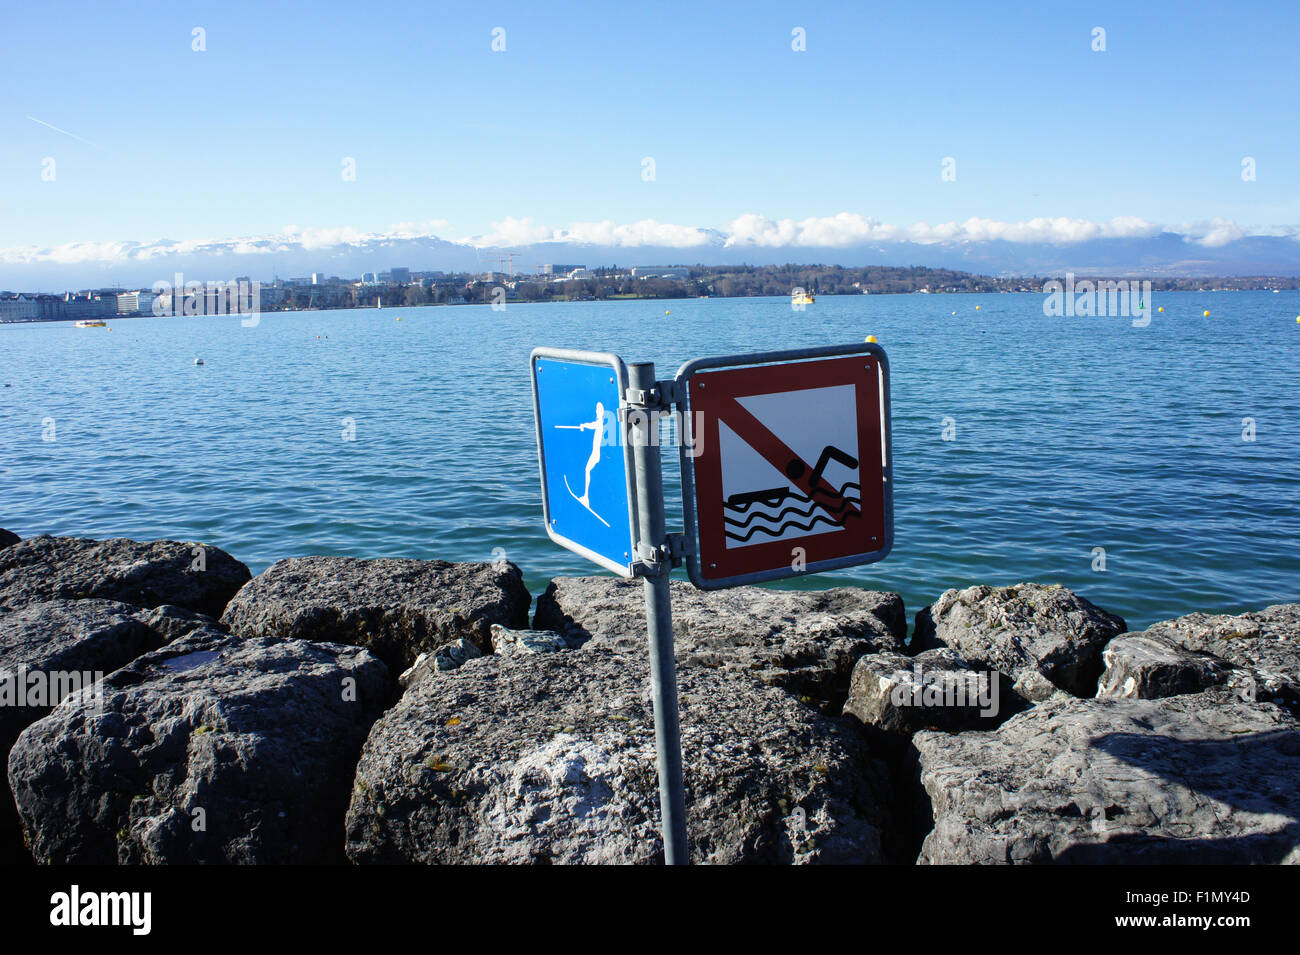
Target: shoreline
(1158, 286)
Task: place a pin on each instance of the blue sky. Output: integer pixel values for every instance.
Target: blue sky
(248, 137)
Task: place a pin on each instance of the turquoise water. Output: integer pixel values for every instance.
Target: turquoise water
(1071, 434)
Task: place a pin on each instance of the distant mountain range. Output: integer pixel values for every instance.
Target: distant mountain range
(1038, 247)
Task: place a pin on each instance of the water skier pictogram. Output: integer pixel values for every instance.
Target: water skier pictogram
(598, 427)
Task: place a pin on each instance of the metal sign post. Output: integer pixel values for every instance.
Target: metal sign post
(603, 497)
(656, 564)
(790, 473)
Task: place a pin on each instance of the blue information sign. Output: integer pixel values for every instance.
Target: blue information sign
(587, 493)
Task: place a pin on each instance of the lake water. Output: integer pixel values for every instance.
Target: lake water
(1071, 434)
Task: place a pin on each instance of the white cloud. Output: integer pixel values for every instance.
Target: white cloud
(849, 228)
(415, 230)
(645, 232)
(511, 231)
(838, 231)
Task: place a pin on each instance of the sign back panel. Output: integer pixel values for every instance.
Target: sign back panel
(792, 474)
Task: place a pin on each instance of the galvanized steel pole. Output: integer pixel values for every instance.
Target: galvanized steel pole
(652, 533)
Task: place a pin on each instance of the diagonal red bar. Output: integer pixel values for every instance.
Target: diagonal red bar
(777, 453)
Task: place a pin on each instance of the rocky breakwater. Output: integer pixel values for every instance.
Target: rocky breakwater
(1256, 654)
(806, 641)
(194, 576)
(73, 610)
(214, 748)
(1182, 749)
(544, 750)
(549, 757)
(207, 740)
(402, 711)
(396, 608)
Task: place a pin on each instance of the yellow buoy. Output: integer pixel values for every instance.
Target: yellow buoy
(977, 308)
(667, 312)
(1297, 318)
(872, 338)
(1206, 313)
(1160, 309)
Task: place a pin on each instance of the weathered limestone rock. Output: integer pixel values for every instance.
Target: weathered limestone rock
(1045, 638)
(449, 656)
(936, 689)
(147, 574)
(1203, 778)
(396, 608)
(171, 623)
(48, 650)
(212, 749)
(506, 641)
(804, 640)
(1264, 645)
(551, 758)
(1147, 667)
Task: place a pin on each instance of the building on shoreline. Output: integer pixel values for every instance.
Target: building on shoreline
(660, 272)
(19, 308)
(135, 303)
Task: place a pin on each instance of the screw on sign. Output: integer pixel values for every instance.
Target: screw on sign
(793, 453)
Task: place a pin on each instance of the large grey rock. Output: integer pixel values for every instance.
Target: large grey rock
(551, 758)
(146, 574)
(937, 689)
(1204, 778)
(804, 640)
(211, 749)
(449, 656)
(396, 608)
(1263, 645)
(1145, 666)
(8, 537)
(1046, 638)
(47, 650)
(170, 622)
(506, 641)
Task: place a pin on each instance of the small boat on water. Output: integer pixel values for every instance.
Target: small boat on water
(801, 297)
(91, 323)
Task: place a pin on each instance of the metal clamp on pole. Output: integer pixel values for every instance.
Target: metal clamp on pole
(659, 396)
(654, 542)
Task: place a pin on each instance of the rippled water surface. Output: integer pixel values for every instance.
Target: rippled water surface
(1071, 434)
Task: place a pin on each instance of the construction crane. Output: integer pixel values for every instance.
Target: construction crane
(507, 262)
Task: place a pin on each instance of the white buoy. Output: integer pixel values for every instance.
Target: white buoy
(198, 361)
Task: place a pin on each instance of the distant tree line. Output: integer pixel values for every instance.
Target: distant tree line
(722, 281)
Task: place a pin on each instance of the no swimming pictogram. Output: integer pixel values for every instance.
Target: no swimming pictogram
(792, 472)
